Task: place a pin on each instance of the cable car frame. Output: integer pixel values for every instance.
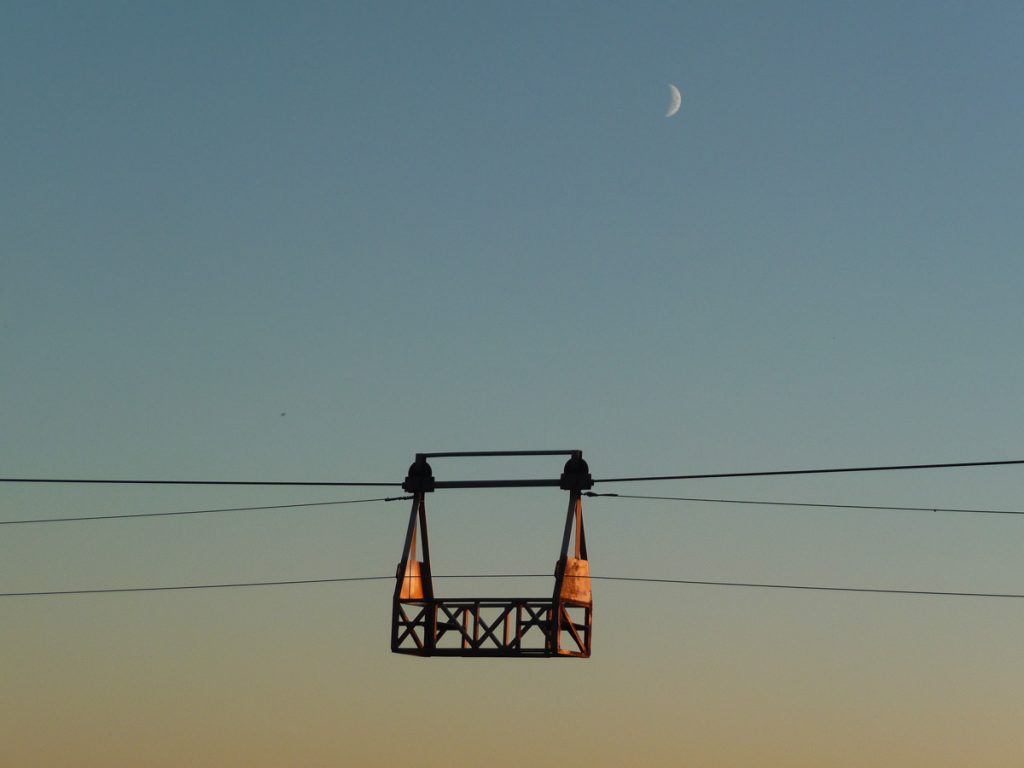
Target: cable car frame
(558, 626)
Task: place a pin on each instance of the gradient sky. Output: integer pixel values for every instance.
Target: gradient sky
(304, 241)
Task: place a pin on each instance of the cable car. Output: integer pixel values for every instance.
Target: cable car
(558, 626)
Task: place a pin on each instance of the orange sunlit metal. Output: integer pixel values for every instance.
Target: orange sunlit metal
(558, 626)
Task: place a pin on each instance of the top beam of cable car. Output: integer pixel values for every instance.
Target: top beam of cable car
(576, 476)
(571, 452)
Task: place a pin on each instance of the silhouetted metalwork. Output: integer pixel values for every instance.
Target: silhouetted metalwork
(557, 626)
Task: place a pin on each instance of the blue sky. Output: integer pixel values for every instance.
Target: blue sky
(412, 227)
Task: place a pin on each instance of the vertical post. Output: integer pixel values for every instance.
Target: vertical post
(413, 583)
(428, 582)
(408, 550)
(555, 627)
(400, 574)
(430, 608)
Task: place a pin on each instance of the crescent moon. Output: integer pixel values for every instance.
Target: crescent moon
(677, 100)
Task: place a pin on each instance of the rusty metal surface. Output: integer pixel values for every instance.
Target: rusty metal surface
(576, 582)
(412, 581)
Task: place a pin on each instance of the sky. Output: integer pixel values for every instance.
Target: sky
(302, 242)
